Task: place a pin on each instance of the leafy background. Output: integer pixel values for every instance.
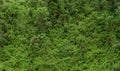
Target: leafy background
(59, 35)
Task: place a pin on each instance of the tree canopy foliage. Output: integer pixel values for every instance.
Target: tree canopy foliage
(59, 35)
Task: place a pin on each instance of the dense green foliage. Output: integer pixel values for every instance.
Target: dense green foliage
(59, 35)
